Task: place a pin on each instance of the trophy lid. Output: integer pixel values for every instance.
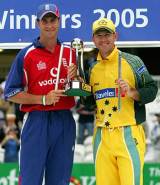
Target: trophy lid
(77, 43)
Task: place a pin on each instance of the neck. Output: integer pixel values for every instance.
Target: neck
(49, 44)
(105, 54)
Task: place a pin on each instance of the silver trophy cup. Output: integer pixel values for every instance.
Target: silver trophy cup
(77, 87)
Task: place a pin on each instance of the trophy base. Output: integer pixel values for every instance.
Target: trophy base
(77, 88)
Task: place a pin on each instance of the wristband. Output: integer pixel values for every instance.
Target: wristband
(43, 100)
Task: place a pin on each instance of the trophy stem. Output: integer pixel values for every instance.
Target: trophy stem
(82, 66)
(59, 66)
(77, 60)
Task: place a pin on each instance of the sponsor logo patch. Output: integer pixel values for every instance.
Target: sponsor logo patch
(107, 93)
(141, 70)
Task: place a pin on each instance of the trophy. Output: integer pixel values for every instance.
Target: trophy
(77, 87)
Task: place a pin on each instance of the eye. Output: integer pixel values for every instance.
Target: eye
(52, 20)
(44, 21)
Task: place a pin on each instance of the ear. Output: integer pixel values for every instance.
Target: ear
(93, 38)
(37, 22)
(116, 36)
(59, 21)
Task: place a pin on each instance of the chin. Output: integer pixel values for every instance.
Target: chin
(51, 36)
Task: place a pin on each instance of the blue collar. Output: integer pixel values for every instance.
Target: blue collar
(37, 43)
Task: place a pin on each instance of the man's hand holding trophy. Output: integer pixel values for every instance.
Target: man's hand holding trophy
(78, 86)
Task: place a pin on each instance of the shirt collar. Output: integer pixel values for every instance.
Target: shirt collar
(110, 57)
(37, 43)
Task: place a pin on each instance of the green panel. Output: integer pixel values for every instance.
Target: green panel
(8, 174)
(83, 174)
(151, 174)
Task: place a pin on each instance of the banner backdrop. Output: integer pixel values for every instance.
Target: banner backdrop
(83, 174)
(135, 20)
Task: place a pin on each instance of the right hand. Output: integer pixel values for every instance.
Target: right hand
(54, 96)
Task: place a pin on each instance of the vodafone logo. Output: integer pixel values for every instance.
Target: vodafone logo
(53, 71)
(52, 80)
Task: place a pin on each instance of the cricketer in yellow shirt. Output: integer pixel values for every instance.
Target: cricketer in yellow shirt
(121, 87)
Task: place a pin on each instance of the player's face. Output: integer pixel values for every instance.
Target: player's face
(104, 41)
(49, 26)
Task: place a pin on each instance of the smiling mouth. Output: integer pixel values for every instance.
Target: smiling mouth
(105, 44)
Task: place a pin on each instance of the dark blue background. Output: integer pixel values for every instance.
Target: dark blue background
(84, 7)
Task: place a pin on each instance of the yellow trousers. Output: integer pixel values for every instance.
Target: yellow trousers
(119, 155)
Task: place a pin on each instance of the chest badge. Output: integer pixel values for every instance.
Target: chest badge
(41, 65)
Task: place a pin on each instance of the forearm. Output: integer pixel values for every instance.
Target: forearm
(48, 99)
(26, 98)
(148, 93)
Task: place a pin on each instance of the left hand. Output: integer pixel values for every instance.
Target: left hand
(72, 71)
(127, 89)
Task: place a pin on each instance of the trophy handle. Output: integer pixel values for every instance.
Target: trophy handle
(81, 64)
(78, 45)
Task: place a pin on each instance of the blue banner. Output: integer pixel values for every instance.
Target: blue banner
(137, 20)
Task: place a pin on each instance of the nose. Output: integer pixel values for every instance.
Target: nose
(104, 38)
(49, 25)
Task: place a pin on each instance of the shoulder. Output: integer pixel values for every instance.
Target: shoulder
(135, 62)
(23, 52)
(134, 59)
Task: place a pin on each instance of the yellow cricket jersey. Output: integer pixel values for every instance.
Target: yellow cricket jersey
(102, 79)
